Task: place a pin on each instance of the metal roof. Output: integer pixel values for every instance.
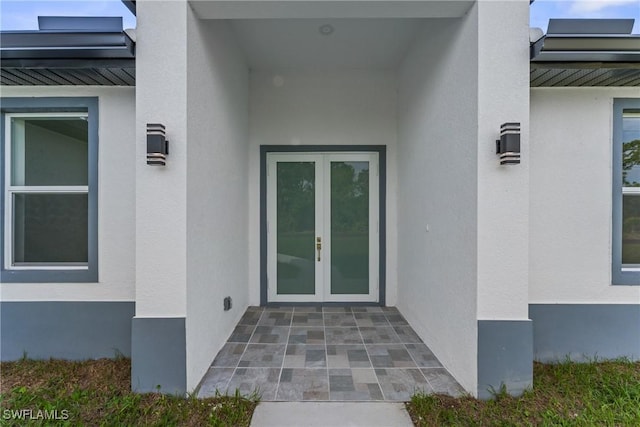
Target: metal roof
(586, 52)
(69, 51)
(131, 5)
(96, 51)
(590, 26)
(559, 75)
(51, 76)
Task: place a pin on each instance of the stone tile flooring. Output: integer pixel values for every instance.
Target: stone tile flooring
(326, 353)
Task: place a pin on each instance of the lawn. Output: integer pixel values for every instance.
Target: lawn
(566, 394)
(97, 392)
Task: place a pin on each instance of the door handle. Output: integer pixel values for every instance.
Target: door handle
(319, 246)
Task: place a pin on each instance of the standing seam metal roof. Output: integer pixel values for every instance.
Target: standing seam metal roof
(586, 52)
(76, 55)
(107, 58)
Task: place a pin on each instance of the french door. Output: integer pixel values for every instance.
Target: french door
(322, 227)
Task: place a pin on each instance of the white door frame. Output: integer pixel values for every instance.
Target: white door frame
(322, 161)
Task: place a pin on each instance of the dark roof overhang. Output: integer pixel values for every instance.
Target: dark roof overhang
(67, 57)
(59, 45)
(591, 74)
(593, 57)
(586, 48)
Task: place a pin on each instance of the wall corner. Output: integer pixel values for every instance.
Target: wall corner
(159, 355)
(505, 357)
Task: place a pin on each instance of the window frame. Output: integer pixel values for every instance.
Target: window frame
(48, 106)
(620, 275)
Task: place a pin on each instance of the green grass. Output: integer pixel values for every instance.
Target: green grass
(565, 394)
(97, 392)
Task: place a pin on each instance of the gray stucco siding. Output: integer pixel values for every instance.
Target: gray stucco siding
(73, 330)
(584, 332)
(159, 355)
(505, 356)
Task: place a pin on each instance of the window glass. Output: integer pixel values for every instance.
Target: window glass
(49, 151)
(50, 228)
(630, 181)
(296, 228)
(349, 227)
(50, 190)
(631, 230)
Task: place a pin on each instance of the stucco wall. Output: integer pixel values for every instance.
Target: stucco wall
(116, 201)
(437, 190)
(217, 218)
(332, 107)
(571, 196)
(161, 197)
(503, 202)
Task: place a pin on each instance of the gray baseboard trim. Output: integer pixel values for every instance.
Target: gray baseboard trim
(505, 356)
(583, 332)
(159, 355)
(74, 330)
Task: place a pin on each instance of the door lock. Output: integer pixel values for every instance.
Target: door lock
(319, 246)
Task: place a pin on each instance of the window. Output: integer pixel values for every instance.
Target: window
(49, 148)
(626, 192)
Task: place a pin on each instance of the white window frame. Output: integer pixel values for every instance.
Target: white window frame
(11, 190)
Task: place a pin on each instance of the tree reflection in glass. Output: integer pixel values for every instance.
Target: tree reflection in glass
(296, 228)
(349, 227)
(630, 179)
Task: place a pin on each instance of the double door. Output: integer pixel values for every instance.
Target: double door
(322, 227)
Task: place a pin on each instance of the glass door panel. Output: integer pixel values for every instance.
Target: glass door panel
(322, 213)
(296, 221)
(349, 227)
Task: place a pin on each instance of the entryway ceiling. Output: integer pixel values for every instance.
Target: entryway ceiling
(260, 9)
(325, 43)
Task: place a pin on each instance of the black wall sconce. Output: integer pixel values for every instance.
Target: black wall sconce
(157, 145)
(508, 146)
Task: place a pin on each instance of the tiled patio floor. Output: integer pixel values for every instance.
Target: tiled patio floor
(326, 353)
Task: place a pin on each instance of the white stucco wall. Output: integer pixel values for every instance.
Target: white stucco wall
(333, 107)
(571, 196)
(217, 203)
(437, 173)
(116, 201)
(503, 202)
(161, 197)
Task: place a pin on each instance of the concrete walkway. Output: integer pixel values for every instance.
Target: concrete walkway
(331, 414)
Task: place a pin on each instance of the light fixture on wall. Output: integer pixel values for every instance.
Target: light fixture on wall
(157, 145)
(508, 146)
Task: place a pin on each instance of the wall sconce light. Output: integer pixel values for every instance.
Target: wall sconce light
(508, 146)
(157, 145)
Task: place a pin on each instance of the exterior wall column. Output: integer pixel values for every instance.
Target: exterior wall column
(158, 328)
(505, 337)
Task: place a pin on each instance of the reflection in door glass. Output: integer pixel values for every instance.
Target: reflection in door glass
(349, 227)
(296, 228)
